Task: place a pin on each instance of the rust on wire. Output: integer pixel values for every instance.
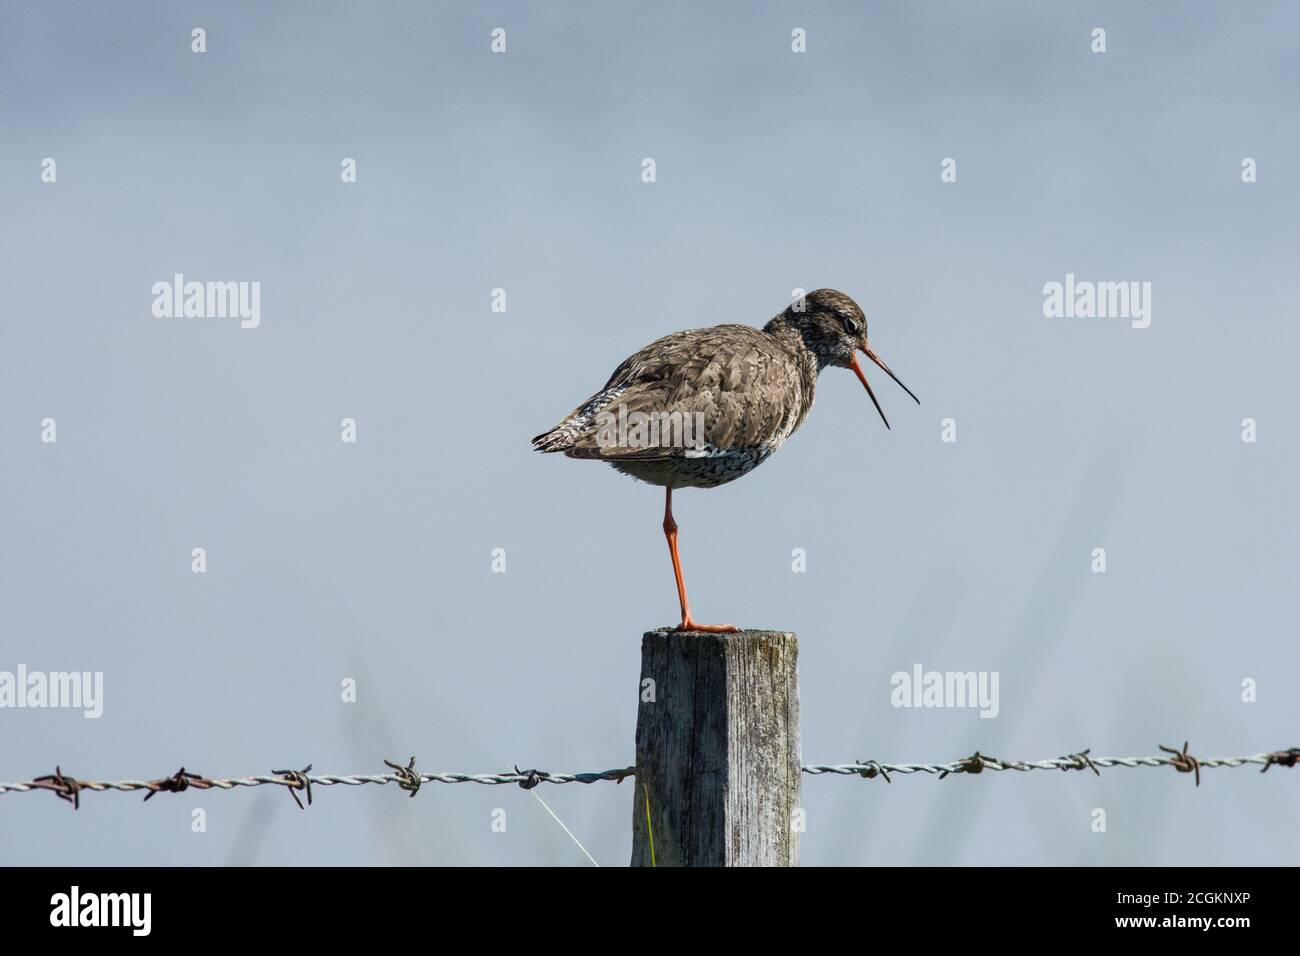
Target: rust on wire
(1282, 758)
(1184, 762)
(297, 780)
(973, 764)
(179, 781)
(407, 778)
(65, 788)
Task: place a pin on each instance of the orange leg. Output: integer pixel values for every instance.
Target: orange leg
(670, 531)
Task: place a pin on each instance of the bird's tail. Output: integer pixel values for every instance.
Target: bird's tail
(559, 438)
(577, 423)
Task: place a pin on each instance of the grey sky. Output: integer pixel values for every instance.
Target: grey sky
(775, 171)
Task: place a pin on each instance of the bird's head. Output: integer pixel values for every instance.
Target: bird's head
(834, 328)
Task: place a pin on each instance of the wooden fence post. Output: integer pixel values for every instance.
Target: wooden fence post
(717, 750)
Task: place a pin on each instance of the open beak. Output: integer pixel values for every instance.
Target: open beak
(866, 350)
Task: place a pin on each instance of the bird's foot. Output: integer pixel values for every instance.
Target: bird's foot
(689, 625)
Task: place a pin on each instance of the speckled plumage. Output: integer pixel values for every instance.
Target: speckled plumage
(748, 388)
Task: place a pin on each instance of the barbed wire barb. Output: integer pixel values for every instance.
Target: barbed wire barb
(65, 788)
(297, 780)
(407, 778)
(1184, 762)
(176, 783)
(1081, 762)
(1282, 758)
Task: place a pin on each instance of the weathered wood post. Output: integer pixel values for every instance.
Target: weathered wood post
(717, 750)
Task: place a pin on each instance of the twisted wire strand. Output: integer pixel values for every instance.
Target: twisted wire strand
(69, 788)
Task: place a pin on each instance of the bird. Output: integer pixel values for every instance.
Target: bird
(703, 407)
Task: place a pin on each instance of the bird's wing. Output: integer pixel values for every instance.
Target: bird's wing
(694, 393)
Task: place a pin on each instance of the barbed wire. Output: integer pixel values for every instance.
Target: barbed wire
(406, 777)
(1180, 760)
(410, 780)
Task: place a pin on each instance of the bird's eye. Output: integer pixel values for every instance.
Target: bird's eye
(850, 324)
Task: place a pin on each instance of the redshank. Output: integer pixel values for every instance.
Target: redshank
(698, 409)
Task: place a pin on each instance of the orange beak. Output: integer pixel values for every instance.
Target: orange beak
(866, 350)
